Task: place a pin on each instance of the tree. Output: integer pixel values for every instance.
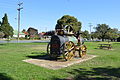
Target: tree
(112, 34)
(0, 23)
(6, 28)
(94, 35)
(1, 34)
(67, 20)
(85, 34)
(102, 30)
(26, 33)
(23, 30)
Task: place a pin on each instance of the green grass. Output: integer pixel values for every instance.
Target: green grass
(105, 66)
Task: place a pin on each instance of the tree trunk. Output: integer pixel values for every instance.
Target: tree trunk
(103, 39)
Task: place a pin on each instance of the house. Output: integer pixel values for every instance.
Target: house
(32, 32)
(16, 34)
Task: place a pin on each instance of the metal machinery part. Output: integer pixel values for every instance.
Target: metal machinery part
(66, 46)
(69, 50)
(83, 49)
(56, 45)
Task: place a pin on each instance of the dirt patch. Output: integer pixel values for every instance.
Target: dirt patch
(58, 64)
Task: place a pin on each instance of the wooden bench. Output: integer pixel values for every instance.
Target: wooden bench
(108, 46)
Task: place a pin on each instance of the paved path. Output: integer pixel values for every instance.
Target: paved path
(23, 41)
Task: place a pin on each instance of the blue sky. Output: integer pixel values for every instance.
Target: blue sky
(43, 14)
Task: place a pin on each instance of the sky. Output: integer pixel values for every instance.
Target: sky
(43, 14)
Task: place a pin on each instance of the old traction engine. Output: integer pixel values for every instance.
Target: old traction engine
(67, 44)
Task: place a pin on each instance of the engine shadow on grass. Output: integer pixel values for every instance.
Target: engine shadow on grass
(99, 73)
(2, 44)
(38, 55)
(43, 55)
(4, 76)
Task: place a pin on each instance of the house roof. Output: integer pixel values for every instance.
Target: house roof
(16, 32)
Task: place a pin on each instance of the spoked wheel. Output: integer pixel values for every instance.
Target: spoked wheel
(69, 50)
(48, 49)
(83, 50)
(51, 56)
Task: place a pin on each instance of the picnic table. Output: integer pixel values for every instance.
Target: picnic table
(108, 46)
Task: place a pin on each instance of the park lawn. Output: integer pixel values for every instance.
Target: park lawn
(105, 66)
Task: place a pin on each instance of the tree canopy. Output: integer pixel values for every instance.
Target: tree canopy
(112, 34)
(103, 31)
(5, 27)
(1, 34)
(85, 34)
(67, 20)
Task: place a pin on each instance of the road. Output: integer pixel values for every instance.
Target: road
(23, 41)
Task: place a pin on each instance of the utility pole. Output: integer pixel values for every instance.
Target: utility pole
(90, 25)
(19, 8)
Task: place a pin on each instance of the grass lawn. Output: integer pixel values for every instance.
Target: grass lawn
(104, 67)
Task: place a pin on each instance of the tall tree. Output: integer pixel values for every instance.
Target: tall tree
(67, 20)
(102, 30)
(5, 27)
